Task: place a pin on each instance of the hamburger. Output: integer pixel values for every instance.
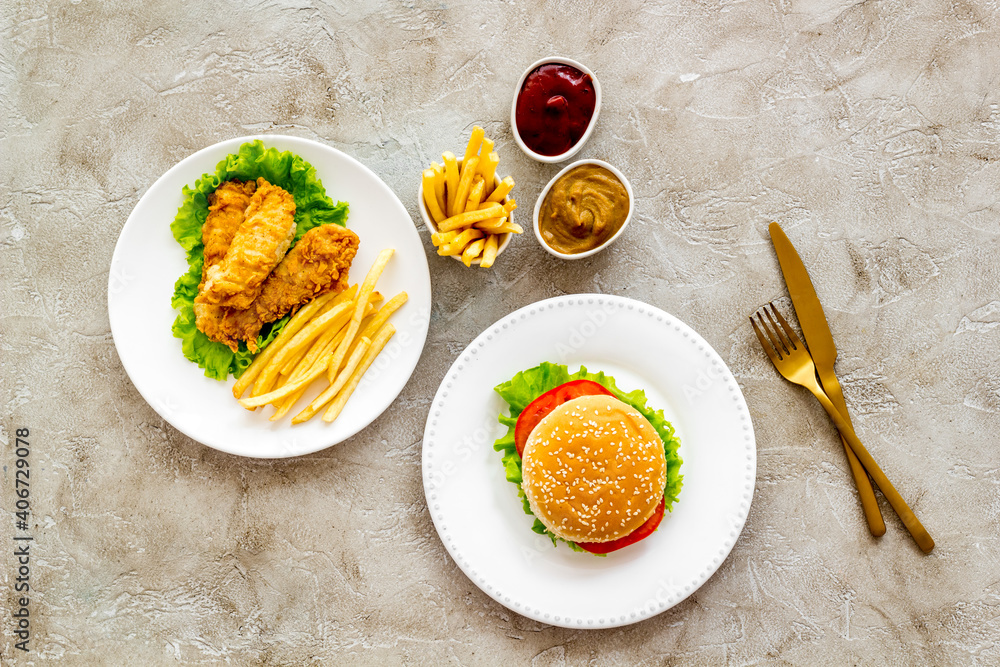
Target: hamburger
(593, 464)
(594, 470)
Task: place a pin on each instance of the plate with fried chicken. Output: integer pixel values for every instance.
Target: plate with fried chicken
(261, 282)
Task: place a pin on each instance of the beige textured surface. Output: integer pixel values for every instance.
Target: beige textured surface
(869, 130)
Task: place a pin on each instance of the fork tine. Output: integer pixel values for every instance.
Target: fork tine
(779, 347)
(763, 342)
(788, 330)
(777, 331)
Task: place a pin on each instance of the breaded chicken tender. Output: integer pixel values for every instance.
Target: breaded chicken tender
(257, 247)
(226, 211)
(318, 263)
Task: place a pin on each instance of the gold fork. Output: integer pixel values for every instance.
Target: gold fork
(793, 361)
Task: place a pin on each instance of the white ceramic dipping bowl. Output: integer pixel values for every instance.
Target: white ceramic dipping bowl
(552, 159)
(593, 251)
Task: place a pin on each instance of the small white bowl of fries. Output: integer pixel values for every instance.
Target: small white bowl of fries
(467, 206)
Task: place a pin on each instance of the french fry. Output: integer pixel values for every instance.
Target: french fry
(485, 212)
(309, 411)
(508, 228)
(458, 244)
(254, 402)
(331, 392)
(319, 364)
(441, 238)
(279, 380)
(464, 185)
(506, 185)
(489, 251)
(439, 186)
(318, 368)
(287, 369)
(268, 380)
(301, 381)
(326, 355)
(347, 294)
(323, 340)
(352, 363)
(323, 303)
(362, 333)
(476, 193)
(509, 205)
(258, 364)
(274, 393)
(472, 251)
(291, 328)
(487, 147)
(305, 357)
(302, 338)
(501, 227)
(475, 141)
(345, 394)
(486, 225)
(263, 385)
(488, 167)
(450, 177)
(371, 328)
(367, 287)
(282, 408)
(430, 197)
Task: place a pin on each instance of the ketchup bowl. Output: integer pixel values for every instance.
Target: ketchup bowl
(553, 109)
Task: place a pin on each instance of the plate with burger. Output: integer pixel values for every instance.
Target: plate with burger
(589, 461)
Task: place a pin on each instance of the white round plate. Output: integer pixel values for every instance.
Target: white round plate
(477, 511)
(147, 261)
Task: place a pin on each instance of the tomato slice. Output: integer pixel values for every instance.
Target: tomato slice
(539, 408)
(640, 533)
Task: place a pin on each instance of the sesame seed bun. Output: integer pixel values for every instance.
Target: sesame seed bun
(593, 469)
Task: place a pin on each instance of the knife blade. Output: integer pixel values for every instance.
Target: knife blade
(819, 340)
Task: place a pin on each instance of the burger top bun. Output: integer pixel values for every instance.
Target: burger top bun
(593, 469)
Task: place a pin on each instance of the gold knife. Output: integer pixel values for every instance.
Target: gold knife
(824, 353)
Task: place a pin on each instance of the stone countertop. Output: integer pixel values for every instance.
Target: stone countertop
(868, 130)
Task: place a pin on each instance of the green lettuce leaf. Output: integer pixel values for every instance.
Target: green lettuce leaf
(312, 208)
(528, 385)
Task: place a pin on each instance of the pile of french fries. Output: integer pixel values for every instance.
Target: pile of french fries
(334, 335)
(469, 208)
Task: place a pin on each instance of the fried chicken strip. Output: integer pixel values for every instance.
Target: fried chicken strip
(318, 263)
(257, 247)
(226, 211)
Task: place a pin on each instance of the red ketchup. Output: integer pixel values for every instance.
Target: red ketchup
(554, 108)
